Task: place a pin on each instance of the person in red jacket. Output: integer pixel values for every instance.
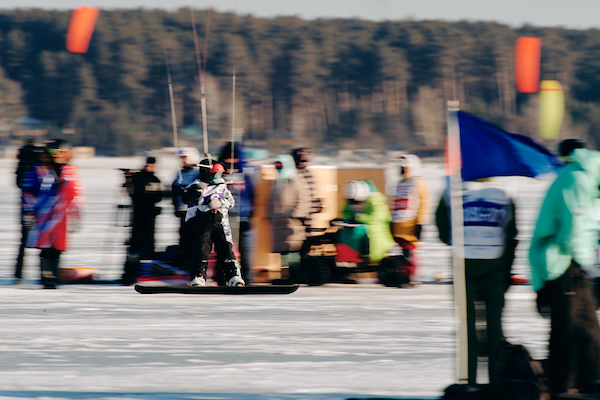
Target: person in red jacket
(53, 198)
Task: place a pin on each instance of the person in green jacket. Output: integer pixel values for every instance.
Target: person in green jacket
(563, 246)
(367, 206)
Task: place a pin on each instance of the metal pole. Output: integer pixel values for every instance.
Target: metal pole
(204, 120)
(232, 125)
(458, 241)
(233, 108)
(173, 117)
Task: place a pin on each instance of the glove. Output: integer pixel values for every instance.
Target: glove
(418, 229)
(199, 186)
(214, 204)
(28, 220)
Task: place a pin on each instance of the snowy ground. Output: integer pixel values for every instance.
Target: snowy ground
(320, 343)
(330, 342)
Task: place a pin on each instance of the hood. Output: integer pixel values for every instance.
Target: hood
(289, 167)
(225, 157)
(588, 161)
(411, 164)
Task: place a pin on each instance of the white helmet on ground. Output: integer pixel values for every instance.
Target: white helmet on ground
(357, 190)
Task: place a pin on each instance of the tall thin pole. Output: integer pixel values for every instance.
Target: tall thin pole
(458, 241)
(233, 105)
(173, 116)
(170, 85)
(201, 73)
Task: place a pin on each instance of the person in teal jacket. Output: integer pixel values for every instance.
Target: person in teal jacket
(563, 246)
(367, 206)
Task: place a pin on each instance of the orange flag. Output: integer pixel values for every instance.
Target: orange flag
(81, 27)
(528, 53)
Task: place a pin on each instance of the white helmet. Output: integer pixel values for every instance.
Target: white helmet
(357, 190)
(191, 154)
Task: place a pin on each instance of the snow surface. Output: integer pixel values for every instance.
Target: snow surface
(319, 343)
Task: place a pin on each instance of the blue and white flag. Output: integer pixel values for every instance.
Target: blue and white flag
(488, 151)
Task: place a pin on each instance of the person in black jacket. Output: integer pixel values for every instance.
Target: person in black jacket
(145, 193)
(145, 190)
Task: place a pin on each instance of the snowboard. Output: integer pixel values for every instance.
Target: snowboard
(258, 289)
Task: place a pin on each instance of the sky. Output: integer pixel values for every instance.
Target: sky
(576, 14)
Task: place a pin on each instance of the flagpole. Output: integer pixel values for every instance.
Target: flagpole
(458, 240)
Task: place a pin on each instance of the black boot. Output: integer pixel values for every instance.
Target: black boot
(231, 274)
(131, 271)
(49, 269)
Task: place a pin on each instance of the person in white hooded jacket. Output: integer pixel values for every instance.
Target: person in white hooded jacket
(410, 208)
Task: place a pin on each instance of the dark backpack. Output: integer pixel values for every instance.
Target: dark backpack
(517, 376)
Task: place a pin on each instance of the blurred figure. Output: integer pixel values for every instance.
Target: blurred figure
(302, 157)
(368, 207)
(562, 256)
(490, 232)
(145, 191)
(209, 219)
(410, 209)
(289, 207)
(242, 189)
(190, 157)
(28, 155)
(53, 198)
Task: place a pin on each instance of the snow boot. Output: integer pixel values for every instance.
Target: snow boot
(233, 277)
(198, 274)
(198, 281)
(131, 270)
(236, 281)
(49, 269)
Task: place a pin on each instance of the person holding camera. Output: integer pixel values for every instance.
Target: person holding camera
(146, 192)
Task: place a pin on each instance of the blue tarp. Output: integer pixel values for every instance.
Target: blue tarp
(488, 151)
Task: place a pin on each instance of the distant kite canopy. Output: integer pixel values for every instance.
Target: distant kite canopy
(81, 27)
(528, 53)
(552, 108)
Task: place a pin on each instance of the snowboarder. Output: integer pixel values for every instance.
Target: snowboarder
(53, 197)
(410, 209)
(209, 202)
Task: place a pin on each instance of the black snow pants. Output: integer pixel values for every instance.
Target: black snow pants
(210, 228)
(574, 349)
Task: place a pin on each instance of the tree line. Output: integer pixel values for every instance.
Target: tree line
(339, 83)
